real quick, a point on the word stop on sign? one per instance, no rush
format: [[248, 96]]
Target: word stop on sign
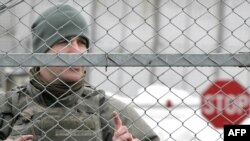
[[228, 104]]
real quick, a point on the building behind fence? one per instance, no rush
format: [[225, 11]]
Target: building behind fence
[[175, 27]]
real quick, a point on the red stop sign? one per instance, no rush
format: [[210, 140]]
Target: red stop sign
[[225, 102]]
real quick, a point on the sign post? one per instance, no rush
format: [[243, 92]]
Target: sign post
[[225, 102]]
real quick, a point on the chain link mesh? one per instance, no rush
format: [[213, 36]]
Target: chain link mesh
[[166, 93]]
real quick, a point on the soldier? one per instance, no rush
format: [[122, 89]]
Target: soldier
[[56, 104]]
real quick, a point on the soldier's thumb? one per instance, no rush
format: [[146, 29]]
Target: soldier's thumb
[[24, 138]]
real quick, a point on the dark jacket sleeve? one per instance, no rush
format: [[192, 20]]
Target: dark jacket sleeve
[[137, 126], [7, 118]]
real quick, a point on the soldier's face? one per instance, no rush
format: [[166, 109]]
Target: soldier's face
[[66, 74]]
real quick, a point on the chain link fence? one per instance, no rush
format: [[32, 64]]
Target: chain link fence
[[163, 57]]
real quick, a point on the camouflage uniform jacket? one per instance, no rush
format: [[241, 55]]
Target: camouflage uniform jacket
[[87, 116]]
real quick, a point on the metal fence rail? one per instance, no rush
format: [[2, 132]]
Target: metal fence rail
[[125, 60]]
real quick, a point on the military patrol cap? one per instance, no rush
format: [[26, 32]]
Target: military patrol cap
[[58, 22]]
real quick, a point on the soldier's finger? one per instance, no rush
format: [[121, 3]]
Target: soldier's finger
[[126, 137], [25, 138], [117, 119], [122, 130], [135, 139]]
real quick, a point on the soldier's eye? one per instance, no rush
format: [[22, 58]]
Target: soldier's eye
[[83, 41], [63, 42]]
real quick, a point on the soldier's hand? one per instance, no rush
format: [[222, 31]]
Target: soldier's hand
[[121, 132], [22, 138]]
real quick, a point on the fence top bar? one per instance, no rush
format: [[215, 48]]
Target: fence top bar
[[124, 60]]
